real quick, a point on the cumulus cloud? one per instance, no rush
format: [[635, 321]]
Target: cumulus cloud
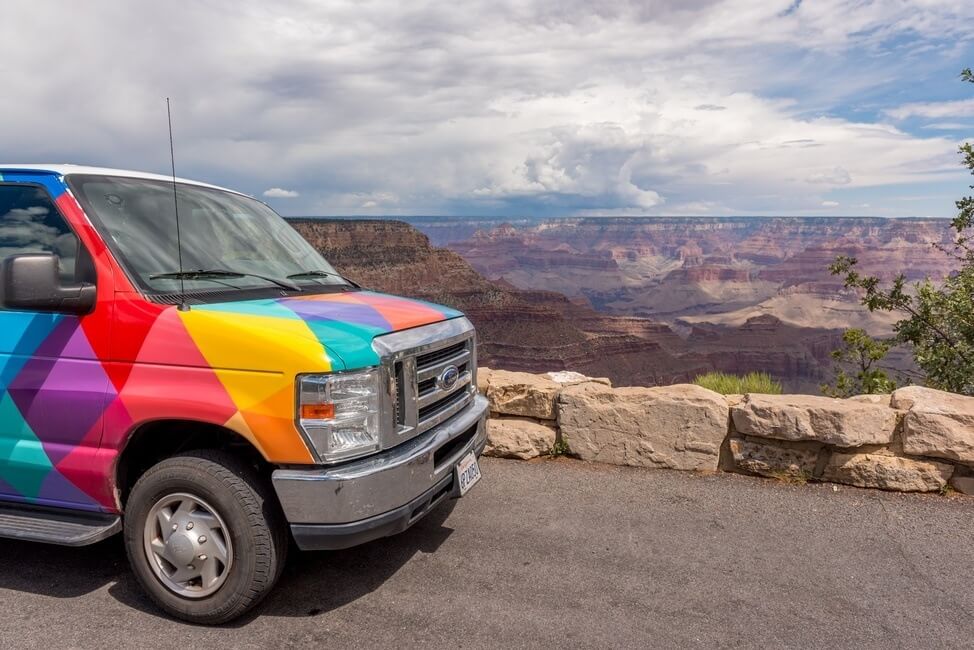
[[537, 107], [279, 193]]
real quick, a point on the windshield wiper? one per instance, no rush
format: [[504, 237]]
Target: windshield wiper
[[206, 274], [321, 274]]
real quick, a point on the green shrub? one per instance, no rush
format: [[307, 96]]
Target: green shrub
[[560, 448], [858, 372], [726, 384]]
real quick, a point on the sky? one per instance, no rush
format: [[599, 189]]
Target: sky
[[568, 107]]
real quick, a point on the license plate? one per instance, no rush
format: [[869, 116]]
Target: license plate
[[468, 472]]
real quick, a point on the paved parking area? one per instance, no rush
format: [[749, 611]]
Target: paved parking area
[[568, 554]]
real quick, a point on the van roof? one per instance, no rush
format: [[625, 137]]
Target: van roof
[[64, 169]]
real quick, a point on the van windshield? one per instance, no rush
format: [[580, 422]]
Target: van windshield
[[234, 238]]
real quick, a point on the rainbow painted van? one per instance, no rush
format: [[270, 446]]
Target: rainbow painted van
[[178, 364]]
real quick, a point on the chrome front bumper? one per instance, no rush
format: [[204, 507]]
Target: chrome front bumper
[[338, 507]]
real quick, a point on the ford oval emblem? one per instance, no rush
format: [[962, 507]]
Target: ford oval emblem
[[448, 378]]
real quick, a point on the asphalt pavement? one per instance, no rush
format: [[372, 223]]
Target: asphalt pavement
[[567, 554]]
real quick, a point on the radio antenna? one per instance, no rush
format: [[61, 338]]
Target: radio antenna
[[175, 204]]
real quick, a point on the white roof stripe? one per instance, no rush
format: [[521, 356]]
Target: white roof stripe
[[63, 169]]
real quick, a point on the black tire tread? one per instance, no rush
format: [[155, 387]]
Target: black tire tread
[[263, 519]]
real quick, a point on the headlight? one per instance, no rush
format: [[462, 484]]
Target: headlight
[[340, 413]]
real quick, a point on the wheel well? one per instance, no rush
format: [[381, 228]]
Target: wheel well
[[156, 441]]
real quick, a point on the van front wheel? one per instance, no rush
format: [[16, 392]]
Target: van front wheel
[[204, 536]]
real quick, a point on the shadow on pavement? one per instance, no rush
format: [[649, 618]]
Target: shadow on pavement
[[312, 583], [60, 571], [315, 583]]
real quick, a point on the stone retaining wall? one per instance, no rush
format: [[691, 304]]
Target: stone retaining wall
[[915, 440]]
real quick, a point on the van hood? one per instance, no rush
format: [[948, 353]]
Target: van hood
[[342, 324]]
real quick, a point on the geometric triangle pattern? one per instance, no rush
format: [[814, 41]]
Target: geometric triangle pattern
[[52, 391], [73, 390]]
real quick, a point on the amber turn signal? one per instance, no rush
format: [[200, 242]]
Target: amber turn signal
[[317, 411]]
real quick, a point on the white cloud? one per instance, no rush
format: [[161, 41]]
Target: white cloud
[[279, 193], [538, 106], [830, 204], [958, 108], [949, 126], [834, 176]]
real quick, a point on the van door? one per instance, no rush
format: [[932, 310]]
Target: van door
[[52, 386]]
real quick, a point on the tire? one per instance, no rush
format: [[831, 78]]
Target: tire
[[246, 528]]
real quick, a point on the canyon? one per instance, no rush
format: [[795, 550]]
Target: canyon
[[718, 282], [714, 270], [649, 301]]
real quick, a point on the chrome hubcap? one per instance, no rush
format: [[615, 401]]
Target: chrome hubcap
[[188, 545]]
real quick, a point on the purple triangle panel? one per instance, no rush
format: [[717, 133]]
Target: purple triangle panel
[[59, 338], [78, 346], [61, 400], [345, 312], [57, 488]]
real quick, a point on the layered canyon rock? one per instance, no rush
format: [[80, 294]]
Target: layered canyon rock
[[936, 423], [843, 423], [675, 427], [799, 357], [619, 259], [713, 277]]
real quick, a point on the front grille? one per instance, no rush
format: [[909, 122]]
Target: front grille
[[427, 387], [419, 362], [436, 403], [432, 358], [431, 411]]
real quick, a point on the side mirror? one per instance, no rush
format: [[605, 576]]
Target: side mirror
[[31, 283]]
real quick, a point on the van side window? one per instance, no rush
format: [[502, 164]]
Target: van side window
[[29, 223]]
